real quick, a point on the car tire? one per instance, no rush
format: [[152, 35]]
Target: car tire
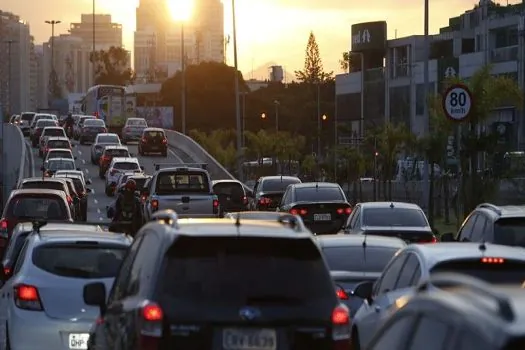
[[108, 191]]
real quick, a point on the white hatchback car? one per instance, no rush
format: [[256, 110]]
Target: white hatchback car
[[119, 165], [59, 153]]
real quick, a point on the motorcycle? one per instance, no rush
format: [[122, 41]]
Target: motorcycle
[[69, 131]]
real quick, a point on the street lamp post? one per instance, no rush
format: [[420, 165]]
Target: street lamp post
[[53, 22], [93, 43], [426, 118], [244, 93], [183, 78], [318, 119], [9, 75], [277, 104], [237, 102]]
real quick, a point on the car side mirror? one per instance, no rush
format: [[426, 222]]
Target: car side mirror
[[88, 182], [78, 169], [75, 158], [89, 190], [363, 290], [448, 237], [132, 155], [95, 295], [142, 168]]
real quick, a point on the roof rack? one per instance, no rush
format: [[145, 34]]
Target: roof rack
[[490, 206], [168, 217], [443, 280], [158, 166], [294, 221]]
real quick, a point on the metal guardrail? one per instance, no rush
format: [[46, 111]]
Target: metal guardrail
[[15, 157]]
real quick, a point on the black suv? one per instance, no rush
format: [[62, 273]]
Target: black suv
[[493, 224], [153, 140], [220, 284], [464, 314]]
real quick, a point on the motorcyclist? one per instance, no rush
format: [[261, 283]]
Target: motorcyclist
[[68, 124], [126, 210]]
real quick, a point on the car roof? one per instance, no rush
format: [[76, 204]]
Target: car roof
[[106, 134], [501, 211], [60, 149], [125, 159], [61, 159], [214, 182], [96, 119], [153, 129], [53, 127], [315, 184], [28, 226], [402, 205], [41, 179], [450, 251], [136, 119], [227, 228], [67, 176], [116, 147], [330, 241], [43, 114], [73, 172], [57, 138], [278, 177], [30, 191], [87, 236]]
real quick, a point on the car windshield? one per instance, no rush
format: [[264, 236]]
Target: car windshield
[[318, 194], [77, 182], [60, 165], [154, 134], [357, 258], [277, 185], [60, 154], [510, 231], [394, 217], [79, 260], [254, 271], [176, 182], [94, 122], [53, 132], [126, 166], [45, 122], [34, 206], [233, 189], [140, 181], [50, 185], [28, 116], [503, 272], [136, 122], [108, 139], [117, 152], [58, 144], [83, 120]]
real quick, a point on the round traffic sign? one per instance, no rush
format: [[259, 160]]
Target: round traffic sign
[[457, 102]]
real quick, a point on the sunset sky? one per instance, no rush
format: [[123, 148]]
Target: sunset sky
[[268, 30]]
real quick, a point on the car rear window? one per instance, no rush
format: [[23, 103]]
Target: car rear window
[[510, 231], [51, 185], [394, 217], [277, 185], [13, 249], [136, 122], [54, 132], [94, 122], [28, 116], [60, 165], [58, 144], [83, 120], [356, 258], [126, 166], [233, 189], [59, 154], [176, 182], [200, 273], [45, 122], [140, 182], [79, 260], [108, 139], [117, 152], [34, 206], [313, 194], [504, 272], [154, 134]]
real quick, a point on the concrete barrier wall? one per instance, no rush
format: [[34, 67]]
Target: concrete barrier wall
[[14, 156]]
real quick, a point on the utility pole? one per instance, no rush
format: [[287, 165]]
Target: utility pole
[[426, 117], [9, 76], [237, 102], [52, 75], [183, 78], [318, 119], [53, 22], [93, 49]]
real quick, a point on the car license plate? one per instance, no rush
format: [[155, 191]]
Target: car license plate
[[78, 341], [322, 217], [249, 339]]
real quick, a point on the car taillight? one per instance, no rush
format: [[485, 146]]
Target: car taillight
[[245, 200], [155, 204], [341, 211], [69, 199], [151, 326], [488, 260], [432, 240], [144, 140], [7, 271], [348, 211], [303, 211], [165, 141], [341, 328], [104, 130], [143, 198], [265, 201], [215, 203], [46, 150], [341, 294], [26, 297], [4, 224]]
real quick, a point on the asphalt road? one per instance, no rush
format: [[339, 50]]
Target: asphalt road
[[97, 199]]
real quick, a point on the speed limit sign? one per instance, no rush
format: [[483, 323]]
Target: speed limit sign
[[457, 102]]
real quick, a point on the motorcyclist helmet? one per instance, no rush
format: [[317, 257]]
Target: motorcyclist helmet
[[130, 185]]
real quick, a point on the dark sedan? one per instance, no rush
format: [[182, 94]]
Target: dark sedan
[[269, 190], [90, 130]]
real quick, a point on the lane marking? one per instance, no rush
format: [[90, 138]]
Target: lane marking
[[95, 200], [83, 161], [175, 156], [98, 211], [86, 170]]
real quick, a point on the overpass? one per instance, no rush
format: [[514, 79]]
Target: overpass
[[23, 161]]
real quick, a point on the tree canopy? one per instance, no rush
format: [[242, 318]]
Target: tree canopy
[[313, 71], [112, 66]]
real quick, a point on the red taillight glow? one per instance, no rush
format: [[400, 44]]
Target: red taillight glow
[[303, 211], [7, 271], [215, 203], [340, 316], [152, 313], [143, 198], [69, 199], [341, 294], [165, 141], [26, 297], [340, 210], [432, 240], [3, 224], [245, 200], [104, 130], [348, 211], [155, 204], [294, 211], [144, 140], [488, 260], [265, 201]]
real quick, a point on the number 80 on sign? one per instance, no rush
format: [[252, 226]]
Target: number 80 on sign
[[457, 102]]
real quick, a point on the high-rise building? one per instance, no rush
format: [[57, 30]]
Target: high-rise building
[[41, 78], [158, 38], [15, 42], [107, 33], [33, 77]]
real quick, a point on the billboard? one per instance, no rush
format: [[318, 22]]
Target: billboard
[[369, 36], [158, 117]]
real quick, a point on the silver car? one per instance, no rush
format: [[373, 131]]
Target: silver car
[[47, 285], [101, 141], [133, 129]]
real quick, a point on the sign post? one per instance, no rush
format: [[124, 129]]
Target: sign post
[[457, 104]]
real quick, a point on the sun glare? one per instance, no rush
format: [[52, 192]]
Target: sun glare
[[181, 10]]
